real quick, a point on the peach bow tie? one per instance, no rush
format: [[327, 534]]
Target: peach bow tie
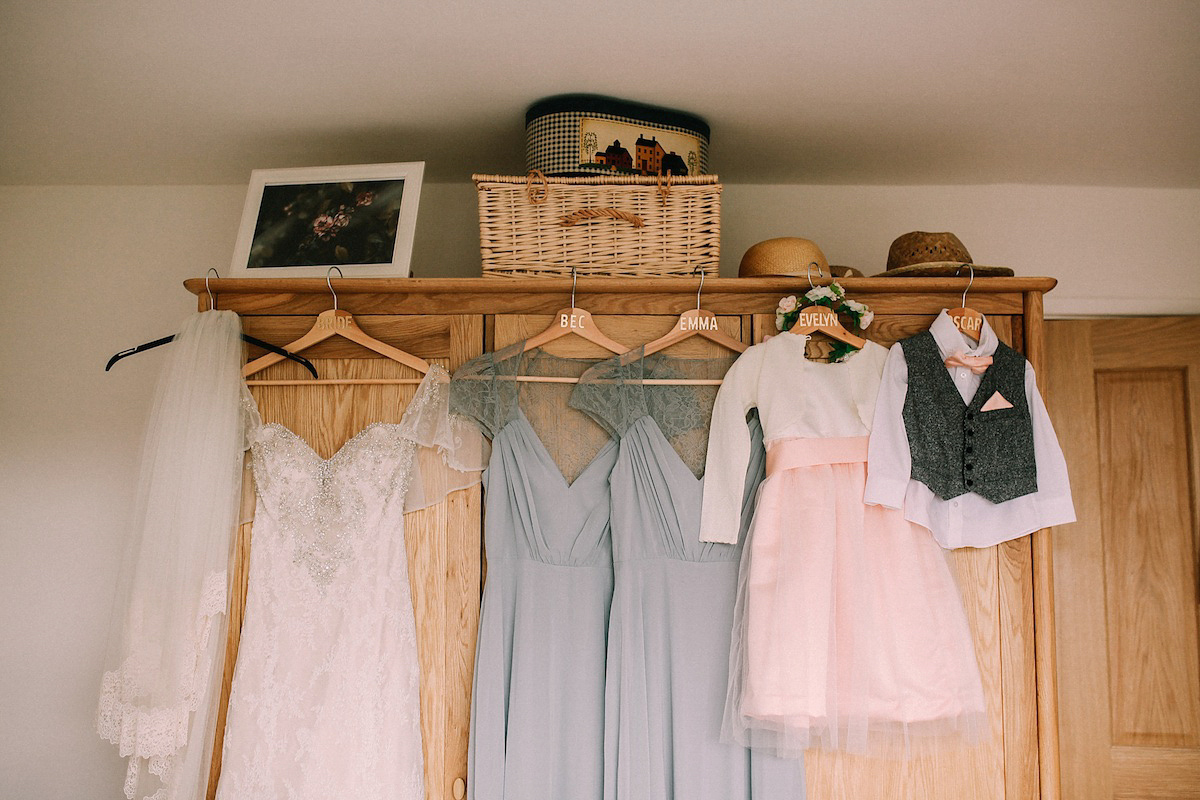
[[977, 364]]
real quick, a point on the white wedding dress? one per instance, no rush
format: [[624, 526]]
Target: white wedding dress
[[325, 697]]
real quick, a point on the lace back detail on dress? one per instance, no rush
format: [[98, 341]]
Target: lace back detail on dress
[[485, 390], [615, 393]]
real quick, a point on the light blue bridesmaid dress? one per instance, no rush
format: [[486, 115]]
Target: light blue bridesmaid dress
[[673, 604], [537, 713]]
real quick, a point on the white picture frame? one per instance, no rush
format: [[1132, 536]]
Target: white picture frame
[[300, 222]]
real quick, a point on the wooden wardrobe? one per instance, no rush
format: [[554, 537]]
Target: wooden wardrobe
[[1007, 590]]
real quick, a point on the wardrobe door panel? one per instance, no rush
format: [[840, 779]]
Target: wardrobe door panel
[[442, 540], [464, 580], [1125, 398], [886, 329]]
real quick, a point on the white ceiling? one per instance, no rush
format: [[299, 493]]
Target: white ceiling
[[1086, 92]]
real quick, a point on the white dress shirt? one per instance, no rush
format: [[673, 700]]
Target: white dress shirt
[[968, 520]]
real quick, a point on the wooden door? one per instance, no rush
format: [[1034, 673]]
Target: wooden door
[[997, 591], [1125, 399], [442, 540]]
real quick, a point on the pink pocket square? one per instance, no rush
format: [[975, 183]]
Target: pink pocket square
[[995, 403]]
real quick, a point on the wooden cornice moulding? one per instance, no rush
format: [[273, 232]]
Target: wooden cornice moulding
[[599, 295], [593, 285]]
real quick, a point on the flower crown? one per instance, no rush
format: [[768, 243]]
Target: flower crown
[[833, 297]]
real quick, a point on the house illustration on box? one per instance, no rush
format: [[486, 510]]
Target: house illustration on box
[[616, 157], [650, 158], [673, 163]]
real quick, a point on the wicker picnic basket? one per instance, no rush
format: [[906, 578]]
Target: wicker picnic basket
[[614, 226]]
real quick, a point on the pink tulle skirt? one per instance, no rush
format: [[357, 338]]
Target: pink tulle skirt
[[850, 633]]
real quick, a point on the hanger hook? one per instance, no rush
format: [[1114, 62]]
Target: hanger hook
[[700, 288], [329, 283], [971, 281], [574, 280], [820, 273], [212, 302]]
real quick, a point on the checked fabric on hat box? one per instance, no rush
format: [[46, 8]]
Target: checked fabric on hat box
[[574, 135]]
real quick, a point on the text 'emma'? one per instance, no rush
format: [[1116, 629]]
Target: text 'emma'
[[688, 323]]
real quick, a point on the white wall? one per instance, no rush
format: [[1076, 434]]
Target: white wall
[[1114, 251], [86, 271]]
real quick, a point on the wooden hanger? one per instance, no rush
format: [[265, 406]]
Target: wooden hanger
[[336, 322], [822, 319], [567, 321], [967, 320], [573, 320], [694, 322]]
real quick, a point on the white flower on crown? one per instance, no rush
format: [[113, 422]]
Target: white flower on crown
[[779, 320], [788, 303], [860, 311], [820, 292]]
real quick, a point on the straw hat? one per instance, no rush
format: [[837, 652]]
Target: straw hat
[[789, 255], [922, 254]]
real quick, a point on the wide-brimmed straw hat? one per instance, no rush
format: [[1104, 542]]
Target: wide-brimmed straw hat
[[791, 256], [922, 254]]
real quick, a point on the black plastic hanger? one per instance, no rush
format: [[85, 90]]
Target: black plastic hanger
[[141, 348]]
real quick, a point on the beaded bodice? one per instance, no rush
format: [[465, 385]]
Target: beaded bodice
[[323, 509]]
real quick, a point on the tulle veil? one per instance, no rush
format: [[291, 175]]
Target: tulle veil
[[162, 670]]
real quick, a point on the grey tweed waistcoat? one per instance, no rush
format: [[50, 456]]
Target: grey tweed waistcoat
[[957, 448]]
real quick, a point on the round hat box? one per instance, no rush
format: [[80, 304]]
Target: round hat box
[[575, 135]]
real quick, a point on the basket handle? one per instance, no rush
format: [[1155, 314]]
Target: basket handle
[[537, 188], [567, 220]]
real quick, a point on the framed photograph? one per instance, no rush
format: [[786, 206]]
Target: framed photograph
[[301, 222]]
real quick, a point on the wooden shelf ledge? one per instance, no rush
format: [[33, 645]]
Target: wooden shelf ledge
[[599, 295], [593, 285]]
